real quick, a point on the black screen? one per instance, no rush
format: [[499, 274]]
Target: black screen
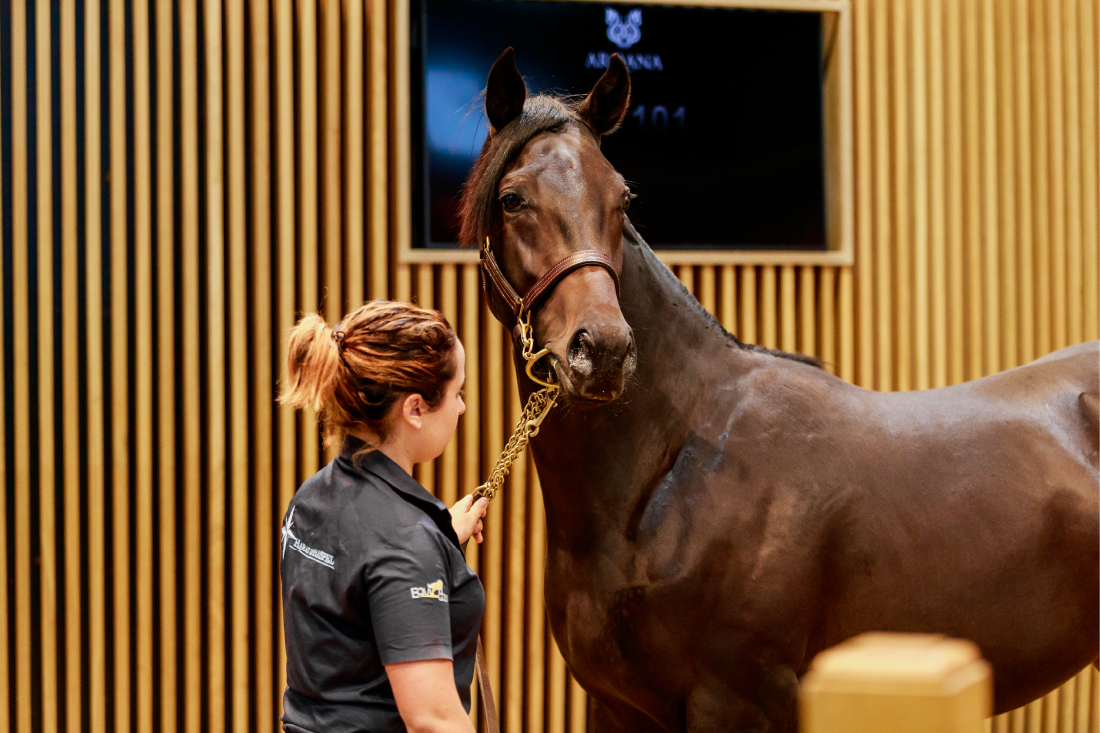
[[722, 142]]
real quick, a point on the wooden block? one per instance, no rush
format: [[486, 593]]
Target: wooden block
[[897, 683]]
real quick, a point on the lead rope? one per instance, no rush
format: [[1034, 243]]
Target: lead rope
[[539, 405]]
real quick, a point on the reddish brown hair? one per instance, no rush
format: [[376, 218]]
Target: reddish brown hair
[[354, 373]]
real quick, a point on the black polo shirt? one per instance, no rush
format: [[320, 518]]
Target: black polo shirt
[[372, 575]]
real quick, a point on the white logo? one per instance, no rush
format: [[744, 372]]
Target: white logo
[[433, 590], [305, 550], [623, 33]]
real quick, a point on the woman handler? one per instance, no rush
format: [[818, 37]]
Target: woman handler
[[381, 612]]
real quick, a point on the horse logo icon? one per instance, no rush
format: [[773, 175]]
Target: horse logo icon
[[623, 33]]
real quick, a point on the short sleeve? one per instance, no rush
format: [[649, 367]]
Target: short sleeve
[[408, 586]]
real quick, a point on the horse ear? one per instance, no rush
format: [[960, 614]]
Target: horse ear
[[505, 93], [606, 104]]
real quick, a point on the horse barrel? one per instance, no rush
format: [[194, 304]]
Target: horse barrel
[[897, 683]]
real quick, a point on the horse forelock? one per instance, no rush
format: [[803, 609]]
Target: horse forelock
[[541, 113]]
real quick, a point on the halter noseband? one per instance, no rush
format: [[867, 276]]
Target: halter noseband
[[491, 272]]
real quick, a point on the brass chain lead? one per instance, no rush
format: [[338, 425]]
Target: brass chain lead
[[538, 406]]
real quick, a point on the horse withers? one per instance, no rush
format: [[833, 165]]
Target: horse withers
[[718, 513]]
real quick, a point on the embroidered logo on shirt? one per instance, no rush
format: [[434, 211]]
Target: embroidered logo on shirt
[[317, 556], [433, 590]]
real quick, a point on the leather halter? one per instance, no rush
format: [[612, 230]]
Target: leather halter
[[491, 272]]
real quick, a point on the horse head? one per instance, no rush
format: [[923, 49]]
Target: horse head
[[541, 193]]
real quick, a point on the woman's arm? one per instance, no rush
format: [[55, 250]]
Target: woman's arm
[[427, 698]]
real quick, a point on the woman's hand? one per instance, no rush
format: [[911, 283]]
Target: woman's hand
[[466, 517]]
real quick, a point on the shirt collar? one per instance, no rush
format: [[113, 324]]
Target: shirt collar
[[379, 464]]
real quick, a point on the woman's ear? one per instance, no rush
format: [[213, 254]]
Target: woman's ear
[[505, 92], [412, 409], [606, 105]]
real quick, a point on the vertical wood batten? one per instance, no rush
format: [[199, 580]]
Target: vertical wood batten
[[578, 707], [192, 395], [903, 221], [1006, 178], [846, 327], [5, 658], [708, 295], [826, 312], [1041, 191], [425, 297], [991, 290], [1024, 224], [166, 360], [555, 687], [143, 365], [957, 339], [515, 504], [377, 116], [1057, 171], [1075, 290], [264, 519], [883, 230], [238, 353], [534, 695], [355, 203], [93, 278], [120, 378], [308, 204], [448, 462], [864, 231], [769, 307], [788, 336], [937, 234], [807, 311], [921, 368], [471, 422], [1090, 137], [972, 187], [331, 153], [747, 330], [44, 311], [284, 135], [728, 316], [492, 550], [21, 368], [216, 433]]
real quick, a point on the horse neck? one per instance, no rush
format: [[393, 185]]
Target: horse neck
[[594, 464]]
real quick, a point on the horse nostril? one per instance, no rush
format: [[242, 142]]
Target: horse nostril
[[630, 362], [580, 353]]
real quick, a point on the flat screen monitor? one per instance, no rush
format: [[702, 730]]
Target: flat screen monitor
[[723, 141]]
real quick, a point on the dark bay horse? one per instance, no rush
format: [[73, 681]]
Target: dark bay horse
[[717, 514]]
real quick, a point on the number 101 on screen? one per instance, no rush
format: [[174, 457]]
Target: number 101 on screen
[[657, 118]]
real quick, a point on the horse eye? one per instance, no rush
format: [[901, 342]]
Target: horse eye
[[626, 201], [511, 202]]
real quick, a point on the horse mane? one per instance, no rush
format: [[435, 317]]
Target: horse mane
[[543, 113]]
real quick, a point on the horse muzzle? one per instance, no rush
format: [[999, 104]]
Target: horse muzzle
[[597, 363]]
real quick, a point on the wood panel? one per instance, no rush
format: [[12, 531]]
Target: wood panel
[[188, 178]]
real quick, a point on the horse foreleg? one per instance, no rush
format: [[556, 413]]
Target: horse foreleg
[[617, 717], [714, 706]]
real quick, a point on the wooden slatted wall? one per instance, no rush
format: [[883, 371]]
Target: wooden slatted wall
[[181, 179]]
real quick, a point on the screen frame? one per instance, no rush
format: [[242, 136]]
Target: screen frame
[[837, 118]]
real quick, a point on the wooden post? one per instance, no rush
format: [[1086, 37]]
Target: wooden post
[[897, 683]]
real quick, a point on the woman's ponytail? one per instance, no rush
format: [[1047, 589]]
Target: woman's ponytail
[[313, 365], [353, 375]]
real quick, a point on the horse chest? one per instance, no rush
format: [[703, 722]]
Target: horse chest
[[606, 628]]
